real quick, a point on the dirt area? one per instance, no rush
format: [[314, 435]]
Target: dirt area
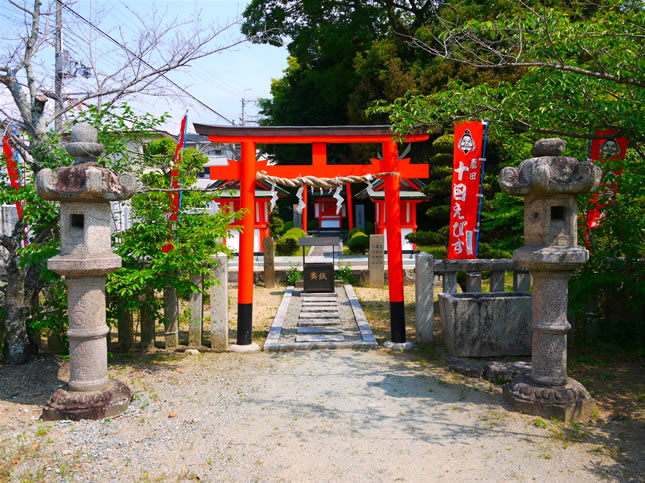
[[337, 415]]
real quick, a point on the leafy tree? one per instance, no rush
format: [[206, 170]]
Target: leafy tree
[[195, 236], [137, 68], [583, 71]]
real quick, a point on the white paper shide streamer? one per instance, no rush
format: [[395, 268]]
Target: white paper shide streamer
[[301, 203], [274, 197], [339, 199]]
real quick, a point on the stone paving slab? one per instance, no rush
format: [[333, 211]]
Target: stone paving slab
[[320, 338], [318, 294], [326, 308], [314, 322], [316, 329], [322, 315], [347, 321]]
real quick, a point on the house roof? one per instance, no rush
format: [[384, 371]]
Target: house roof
[[231, 189]]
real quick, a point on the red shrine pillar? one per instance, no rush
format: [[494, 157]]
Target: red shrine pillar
[[394, 248], [245, 282]]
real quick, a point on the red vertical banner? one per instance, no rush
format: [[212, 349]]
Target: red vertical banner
[[466, 179], [12, 170], [174, 197], [603, 151]]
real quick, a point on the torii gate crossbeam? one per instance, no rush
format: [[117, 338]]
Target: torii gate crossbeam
[[318, 137]]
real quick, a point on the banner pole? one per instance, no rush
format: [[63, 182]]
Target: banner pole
[[481, 186]]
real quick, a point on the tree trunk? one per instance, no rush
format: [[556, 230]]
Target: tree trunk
[[17, 347]]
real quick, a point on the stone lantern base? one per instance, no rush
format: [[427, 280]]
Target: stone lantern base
[[571, 402], [77, 405]]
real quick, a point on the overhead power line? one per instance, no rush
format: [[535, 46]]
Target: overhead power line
[[108, 36]]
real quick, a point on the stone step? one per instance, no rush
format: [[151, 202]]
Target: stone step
[[315, 322], [318, 294], [320, 338], [325, 308], [319, 330], [319, 299], [312, 315], [319, 302]]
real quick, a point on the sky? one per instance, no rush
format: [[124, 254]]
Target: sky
[[220, 81]]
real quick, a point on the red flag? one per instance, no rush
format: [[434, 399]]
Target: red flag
[[602, 151], [469, 141], [175, 196], [12, 170]]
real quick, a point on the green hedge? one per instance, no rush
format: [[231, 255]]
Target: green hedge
[[359, 243]]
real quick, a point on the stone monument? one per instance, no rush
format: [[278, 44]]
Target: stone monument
[[549, 182], [85, 190], [376, 261]]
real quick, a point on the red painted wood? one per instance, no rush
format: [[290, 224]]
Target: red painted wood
[[392, 207], [405, 170], [315, 139], [247, 200]]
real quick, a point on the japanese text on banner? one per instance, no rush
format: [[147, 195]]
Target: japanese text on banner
[[464, 207]]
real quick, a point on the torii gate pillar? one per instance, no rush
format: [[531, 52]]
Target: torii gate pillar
[[245, 280], [394, 248]]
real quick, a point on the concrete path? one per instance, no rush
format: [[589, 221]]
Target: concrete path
[[320, 321]]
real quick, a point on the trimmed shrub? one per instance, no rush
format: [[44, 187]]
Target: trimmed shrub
[[353, 231], [437, 251], [294, 233], [286, 246], [359, 243], [369, 228], [288, 225]]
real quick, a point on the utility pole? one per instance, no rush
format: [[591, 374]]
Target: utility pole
[[244, 102], [59, 67]]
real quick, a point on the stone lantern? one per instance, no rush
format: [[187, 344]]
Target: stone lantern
[[85, 191], [549, 182]]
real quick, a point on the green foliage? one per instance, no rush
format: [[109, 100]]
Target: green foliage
[[286, 246], [312, 224], [294, 274], [606, 295], [353, 231], [288, 225], [437, 251], [276, 224], [345, 274], [194, 235], [369, 228], [295, 233], [359, 243]]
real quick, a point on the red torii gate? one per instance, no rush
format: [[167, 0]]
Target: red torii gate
[[318, 137]]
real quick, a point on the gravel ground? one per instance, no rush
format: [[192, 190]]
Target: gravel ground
[[337, 415]]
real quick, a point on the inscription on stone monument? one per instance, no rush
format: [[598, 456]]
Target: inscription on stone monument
[[376, 261]]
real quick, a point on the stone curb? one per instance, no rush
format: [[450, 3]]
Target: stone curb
[[273, 338]]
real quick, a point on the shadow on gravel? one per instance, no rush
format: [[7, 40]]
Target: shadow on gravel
[[33, 382], [404, 397]]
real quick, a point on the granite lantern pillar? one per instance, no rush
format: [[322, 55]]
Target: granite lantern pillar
[[549, 182], [85, 190]]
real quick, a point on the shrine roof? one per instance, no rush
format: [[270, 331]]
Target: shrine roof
[[409, 194], [304, 134]]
